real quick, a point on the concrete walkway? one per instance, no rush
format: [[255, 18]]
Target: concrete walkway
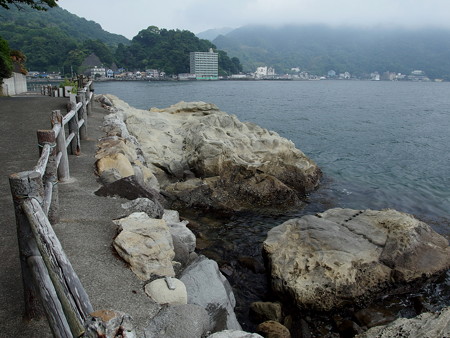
[[85, 230]]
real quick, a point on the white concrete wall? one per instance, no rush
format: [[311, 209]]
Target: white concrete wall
[[17, 84]]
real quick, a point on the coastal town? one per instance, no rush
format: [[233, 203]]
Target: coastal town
[[204, 66], [281, 174]]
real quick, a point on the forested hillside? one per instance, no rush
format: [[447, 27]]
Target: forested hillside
[[58, 41], [54, 38], [318, 49], [169, 50]]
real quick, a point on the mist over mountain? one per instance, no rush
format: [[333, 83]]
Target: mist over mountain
[[319, 48], [213, 33]]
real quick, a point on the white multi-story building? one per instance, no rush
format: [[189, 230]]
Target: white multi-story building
[[205, 65], [98, 72], [265, 71]]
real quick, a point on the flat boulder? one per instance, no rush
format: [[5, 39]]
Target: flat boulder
[[160, 291], [146, 244], [117, 161], [345, 256]]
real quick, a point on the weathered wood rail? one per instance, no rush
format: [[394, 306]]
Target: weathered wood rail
[[47, 275]]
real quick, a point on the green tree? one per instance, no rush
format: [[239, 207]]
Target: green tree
[[73, 61], [19, 58], [168, 50], [41, 5], [6, 65], [100, 49]]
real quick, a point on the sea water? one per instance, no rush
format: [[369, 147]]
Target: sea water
[[379, 145]]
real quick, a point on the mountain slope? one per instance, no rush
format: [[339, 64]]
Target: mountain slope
[[318, 49], [213, 33], [58, 19], [50, 38]]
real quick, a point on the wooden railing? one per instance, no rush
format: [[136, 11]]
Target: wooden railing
[[47, 274]]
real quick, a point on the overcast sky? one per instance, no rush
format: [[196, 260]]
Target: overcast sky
[[129, 17]]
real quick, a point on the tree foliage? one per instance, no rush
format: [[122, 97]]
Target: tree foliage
[[50, 39], [6, 66], [168, 50], [58, 41], [18, 58], [41, 5]]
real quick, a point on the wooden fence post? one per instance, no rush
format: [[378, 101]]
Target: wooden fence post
[[63, 168], [88, 95], [49, 298], [82, 114], [73, 297], [27, 184], [50, 179], [73, 129]]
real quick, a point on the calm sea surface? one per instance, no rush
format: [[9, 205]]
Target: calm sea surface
[[379, 144]]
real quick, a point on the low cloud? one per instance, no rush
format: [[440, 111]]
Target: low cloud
[[199, 15]]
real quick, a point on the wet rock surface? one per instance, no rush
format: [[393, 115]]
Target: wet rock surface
[[343, 256], [273, 329], [428, 325]]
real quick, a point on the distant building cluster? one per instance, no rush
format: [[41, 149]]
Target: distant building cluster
[[204, 66], [268, 73], [264, 72]]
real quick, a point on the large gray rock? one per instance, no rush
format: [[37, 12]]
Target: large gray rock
[[108, 146], [426, 325], [124, 156], [113, 125], [237, 189], [184, 240], [183, 233], [207, 287], [175, 321], [238, 166], [152, 209], [146, 244], [345, 256]]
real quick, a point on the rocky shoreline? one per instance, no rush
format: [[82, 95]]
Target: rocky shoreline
[[192, 155]]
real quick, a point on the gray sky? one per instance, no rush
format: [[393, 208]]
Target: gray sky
[[129, 17]]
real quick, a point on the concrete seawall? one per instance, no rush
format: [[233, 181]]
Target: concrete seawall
[[15, 85]]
